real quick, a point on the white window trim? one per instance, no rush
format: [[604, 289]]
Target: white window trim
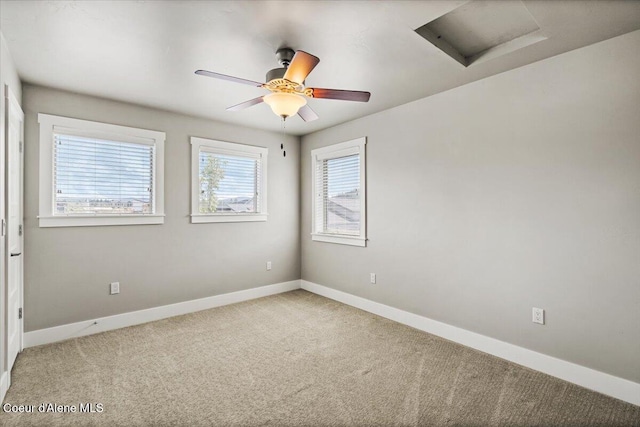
[[46, 217], [232, 148], [355, 146]]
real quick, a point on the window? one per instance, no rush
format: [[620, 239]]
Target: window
[[228, 181], [339, 193], [94, 173]]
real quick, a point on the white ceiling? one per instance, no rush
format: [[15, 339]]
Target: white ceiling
[[146, 52]]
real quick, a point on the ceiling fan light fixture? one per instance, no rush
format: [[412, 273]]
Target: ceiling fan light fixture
[[285, 104]]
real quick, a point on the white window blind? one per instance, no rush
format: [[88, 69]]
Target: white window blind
[[338, 181], [97, 176], [229, 183]]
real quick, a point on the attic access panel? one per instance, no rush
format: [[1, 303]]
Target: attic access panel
[[482, 30]]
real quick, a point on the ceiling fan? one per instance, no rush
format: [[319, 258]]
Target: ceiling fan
[[288, 93]]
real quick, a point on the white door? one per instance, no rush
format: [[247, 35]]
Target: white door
[[15, 122]]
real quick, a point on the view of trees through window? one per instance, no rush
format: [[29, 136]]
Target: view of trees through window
[[211, 173], [228, 184]]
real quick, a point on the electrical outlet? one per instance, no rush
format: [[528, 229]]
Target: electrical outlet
[[115, 288], [538, 315], [268, 265], [373, 278]]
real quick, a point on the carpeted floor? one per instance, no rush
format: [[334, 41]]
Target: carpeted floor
[[292, 359]]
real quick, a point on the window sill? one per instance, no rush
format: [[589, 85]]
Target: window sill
[[101, 220], [341, 240], [204, 218]]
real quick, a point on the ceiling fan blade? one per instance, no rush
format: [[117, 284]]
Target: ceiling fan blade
[[307, 114], [344, 95], [300, 67], [246, 104], [229, 78]]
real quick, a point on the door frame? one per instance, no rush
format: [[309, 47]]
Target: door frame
[[12, 108]]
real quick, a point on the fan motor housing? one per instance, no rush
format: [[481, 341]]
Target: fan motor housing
[[276, 73]]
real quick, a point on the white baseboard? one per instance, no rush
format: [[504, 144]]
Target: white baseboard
[[4, 385], [586, 377], [94, 326]]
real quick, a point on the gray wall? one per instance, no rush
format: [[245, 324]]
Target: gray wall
[[68, 270], [516, 191], [9, 77]]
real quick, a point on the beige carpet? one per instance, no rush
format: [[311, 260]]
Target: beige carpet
[[293, 359]]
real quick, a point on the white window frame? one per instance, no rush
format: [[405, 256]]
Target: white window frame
[[49, 124], [230, 148], [348, 148]]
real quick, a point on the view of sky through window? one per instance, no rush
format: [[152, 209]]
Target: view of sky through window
[[343, 175], [99, 176]]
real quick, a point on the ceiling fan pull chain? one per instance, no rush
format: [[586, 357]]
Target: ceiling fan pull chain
[[283, 126]]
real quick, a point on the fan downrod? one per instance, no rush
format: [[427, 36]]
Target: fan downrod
[[284, 56]]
